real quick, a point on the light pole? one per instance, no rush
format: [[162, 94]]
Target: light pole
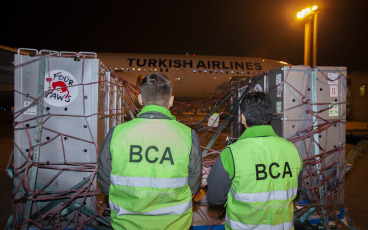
[[309, 15]]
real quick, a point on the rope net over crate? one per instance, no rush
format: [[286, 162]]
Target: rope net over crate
[[56, 143], [54, 163]]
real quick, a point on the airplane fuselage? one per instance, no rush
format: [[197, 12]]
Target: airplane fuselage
[[192, 76]]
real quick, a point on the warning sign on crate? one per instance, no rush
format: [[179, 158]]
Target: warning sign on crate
[[333, 78], [279, 86], [60, 89], [278, 106], [31, 110], [334, 110], [334, 90]]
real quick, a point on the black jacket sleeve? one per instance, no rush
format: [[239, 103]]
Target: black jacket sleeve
[[219, 183], [195, 164], [104, 164]]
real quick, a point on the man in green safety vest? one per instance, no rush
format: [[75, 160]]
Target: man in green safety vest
[[257, 176], [151, 166]]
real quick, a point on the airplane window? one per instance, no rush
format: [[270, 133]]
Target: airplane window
[[237, 72], [243, 72], [210, 70], [222, 71], [139, 69], [155, 70], [205, 71], [199, 71], [167, 70], [133, 69], [216, 71], [194, 71], [127, 69], [161, 70], [232, 71], [362, 90], [227, 71], [116, 68], [248, 72], [253, 72]]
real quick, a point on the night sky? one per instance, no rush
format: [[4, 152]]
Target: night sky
[[257, 28]]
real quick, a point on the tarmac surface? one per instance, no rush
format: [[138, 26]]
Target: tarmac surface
[[356, 189], [6, 148]]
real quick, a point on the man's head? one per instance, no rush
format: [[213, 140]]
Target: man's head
[[156, 90], [256, 109]]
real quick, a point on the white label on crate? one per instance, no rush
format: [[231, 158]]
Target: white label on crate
[[334, 110], [278, 106], [60, 88], [334, 78], [31, 110], [334, 91], [258, 88], [279, 86]]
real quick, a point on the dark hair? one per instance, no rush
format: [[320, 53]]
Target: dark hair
[[156, 90], [256, 108]]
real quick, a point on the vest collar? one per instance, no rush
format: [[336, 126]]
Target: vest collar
[[156, 108], [258, 131]]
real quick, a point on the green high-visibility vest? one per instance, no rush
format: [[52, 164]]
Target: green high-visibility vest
[[149, 178], [264, 185]]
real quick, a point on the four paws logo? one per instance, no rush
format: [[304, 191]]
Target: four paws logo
[[60, 88]]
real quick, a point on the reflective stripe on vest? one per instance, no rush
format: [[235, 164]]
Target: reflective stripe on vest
[[264, 196], [171, 210], [149, 181], [238, 225]]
